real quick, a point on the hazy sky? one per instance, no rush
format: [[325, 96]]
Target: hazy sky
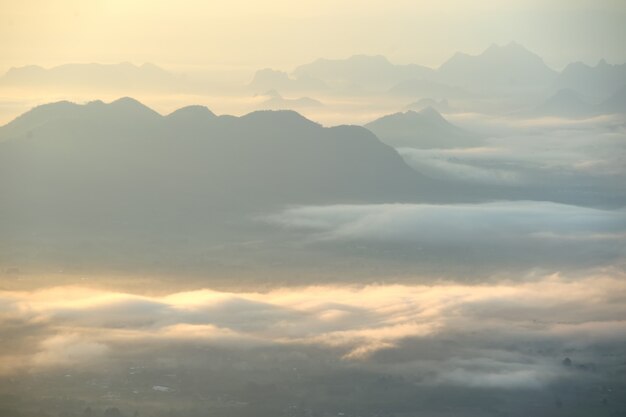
[[284, 33]]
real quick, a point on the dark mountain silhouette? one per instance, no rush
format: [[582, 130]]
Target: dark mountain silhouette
[[498, 70], [565, 103], [191, 117], [361, 72], [123, 76], [122, 165], [277, 102], [425, 129], [598, 82], [117, 184], [125, 112]]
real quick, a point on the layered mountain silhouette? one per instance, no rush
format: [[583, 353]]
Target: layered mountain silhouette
[[442, 106], [361, 72], [425, 129], [275, 101], [122, 165], [568, 103], [615, 104], [124, 76], [498, 70], [565, 103], [429, 88], [595, 82], [273, 80]]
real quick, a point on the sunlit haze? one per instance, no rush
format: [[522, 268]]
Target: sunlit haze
[[322, 208]]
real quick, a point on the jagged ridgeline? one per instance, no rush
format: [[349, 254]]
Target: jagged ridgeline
[[124, 165]]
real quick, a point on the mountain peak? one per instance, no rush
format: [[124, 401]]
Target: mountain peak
[[131, 105], [425, 129], [495, 53], [124, 107], [511, 49], [278, 118], [127, 101], [25, 68], [273, 94], [193, 112], [564, 103], [576, 66], [498, 70], [150, 65], [431, 113], [55, 108], [616, 103], [514, 46], [42, 114]]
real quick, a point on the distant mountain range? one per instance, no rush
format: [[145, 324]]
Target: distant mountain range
[[498, 70], [616, 103], [425, 129], [272, 80], [428, 88], [121, 77], [275, 101], [361, 72], [593, 82], [564, 103], [568, 103], [442, 106]]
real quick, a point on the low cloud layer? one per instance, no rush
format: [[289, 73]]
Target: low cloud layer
[[534, 233], [449, 332], [579, 160]]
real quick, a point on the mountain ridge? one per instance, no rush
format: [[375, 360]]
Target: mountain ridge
[[424, 129], [148, 172]]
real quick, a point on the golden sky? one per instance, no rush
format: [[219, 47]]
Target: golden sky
[[285, 33]]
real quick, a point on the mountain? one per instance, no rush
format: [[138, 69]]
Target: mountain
[[425, 129], [570, 104], [427, 88], [597, 82], [442, 106], [125, 112], [565, 103], [616, 103], [191, 117], [498, 70], [124, 76], [268, 79], [121, 166], [361, 72], [277, 102]]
